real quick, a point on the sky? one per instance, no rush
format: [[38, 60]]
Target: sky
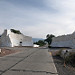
[[37, 18]]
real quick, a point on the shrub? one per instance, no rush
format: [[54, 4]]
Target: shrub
[[70, 59], [40, 42], [15, 31], [59, 52]]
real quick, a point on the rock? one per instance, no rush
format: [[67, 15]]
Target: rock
[[65, 53]]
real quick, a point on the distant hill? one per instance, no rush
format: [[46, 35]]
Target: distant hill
[[36, 39]]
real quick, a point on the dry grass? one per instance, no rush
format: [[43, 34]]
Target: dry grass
[[7, 52]]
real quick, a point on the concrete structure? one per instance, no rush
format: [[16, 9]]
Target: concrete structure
[[64, 41], [35, 45], [29, 61], [11, 39]]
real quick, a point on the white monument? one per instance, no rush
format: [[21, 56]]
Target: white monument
[[64, 41], [12, 38]]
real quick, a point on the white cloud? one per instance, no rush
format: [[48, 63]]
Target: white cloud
[[57, 18]]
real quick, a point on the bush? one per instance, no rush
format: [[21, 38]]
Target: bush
[[15, 31], [70, 59], [59, 53], [40, 42]]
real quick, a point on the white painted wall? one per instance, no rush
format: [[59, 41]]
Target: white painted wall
[[11, 39], [5, 40], [35, 45], [64, 41]]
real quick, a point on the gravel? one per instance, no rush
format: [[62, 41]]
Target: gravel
[[68, 70], [61, 69]]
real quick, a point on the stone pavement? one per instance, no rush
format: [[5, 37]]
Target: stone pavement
[[30, 61]]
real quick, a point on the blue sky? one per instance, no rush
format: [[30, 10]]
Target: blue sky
[[37, 18]]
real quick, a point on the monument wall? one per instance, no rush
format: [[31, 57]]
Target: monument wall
[[11, 39], [64, 41]]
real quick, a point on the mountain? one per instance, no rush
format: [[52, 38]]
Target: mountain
[[36, 39]]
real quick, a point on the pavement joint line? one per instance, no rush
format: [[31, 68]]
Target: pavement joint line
[[32, 71], [1, 71], [18, 62]]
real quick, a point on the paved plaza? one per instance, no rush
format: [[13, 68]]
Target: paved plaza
[[29, 61]]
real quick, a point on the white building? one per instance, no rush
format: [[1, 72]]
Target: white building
[[64, 41], [11, 39], [35, 45]]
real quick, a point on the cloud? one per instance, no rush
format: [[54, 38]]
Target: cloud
[[50, 17]]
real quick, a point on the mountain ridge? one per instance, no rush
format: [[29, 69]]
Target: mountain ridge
[[37, 39]]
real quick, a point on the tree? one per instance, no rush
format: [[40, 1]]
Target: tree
[[40, 42], [49, 38]]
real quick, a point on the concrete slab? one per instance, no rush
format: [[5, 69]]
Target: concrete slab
[[32, 62], [11, 58], [8, 61], [47, 67], [17, 73], [23, 53], [0, 72], [26, 73], [6, 64], [39, 61]]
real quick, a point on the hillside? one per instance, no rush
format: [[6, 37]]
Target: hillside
[[36, 39]]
